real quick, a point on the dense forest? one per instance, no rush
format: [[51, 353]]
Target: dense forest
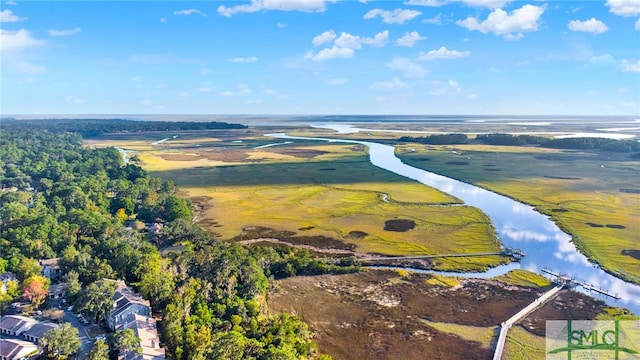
[[85, 206], [583, 143], [95, 127]]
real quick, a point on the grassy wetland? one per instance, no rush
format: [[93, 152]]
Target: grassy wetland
[[592, 196], [323, 193]]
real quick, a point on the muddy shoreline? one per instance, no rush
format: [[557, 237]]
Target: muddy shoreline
[[381, 314]]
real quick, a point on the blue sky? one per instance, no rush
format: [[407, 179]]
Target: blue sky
[[321, 57]]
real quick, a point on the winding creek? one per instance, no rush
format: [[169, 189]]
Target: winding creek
[[518, 225]]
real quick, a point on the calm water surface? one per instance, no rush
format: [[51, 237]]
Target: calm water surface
[[518, 225]]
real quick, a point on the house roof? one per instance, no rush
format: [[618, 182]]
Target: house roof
[[16, 349], [58, 288], [50, 263], [8, 276], [38, 330], [124, 297], [146, 330], [14, 323]]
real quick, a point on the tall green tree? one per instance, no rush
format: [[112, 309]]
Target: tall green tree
[[96, 299], [10, 292], [99, 351], [128, 341], [61, 342]]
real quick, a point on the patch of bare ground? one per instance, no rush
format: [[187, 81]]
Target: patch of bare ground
[[227, 155], [319, 241], [633, 253], [399, 225], [377, 314], [180, 157], [297, 152], [567, 305]]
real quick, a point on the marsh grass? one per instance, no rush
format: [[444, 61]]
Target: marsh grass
[[330, 189], [522, 345], [523, 278], [483, 335], [574, 188]]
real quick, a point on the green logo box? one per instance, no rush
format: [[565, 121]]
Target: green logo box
[[592, 339]]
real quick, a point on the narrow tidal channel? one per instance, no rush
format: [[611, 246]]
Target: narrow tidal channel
[[518, 226]]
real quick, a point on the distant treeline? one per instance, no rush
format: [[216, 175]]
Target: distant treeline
[[96, 127], [445, 139], [524, 140]]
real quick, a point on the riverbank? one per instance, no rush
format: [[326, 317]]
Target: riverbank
[[579, 197]]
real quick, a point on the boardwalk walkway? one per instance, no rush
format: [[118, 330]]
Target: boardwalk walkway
[[504, 327]]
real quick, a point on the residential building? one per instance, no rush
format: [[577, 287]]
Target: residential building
[[126, 302], [51, 268], [146, 330], [58, 291], [11, 349], [16, 325], [37, 331], [4, 279]]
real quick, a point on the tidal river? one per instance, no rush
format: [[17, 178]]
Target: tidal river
[[518, 225]]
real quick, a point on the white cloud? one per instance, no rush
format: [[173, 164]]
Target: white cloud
[[344, 46], [337, 81], [331, 53], [436, 20], [490, 4], [394, 84], [183, 95], [28, 68], [637, 25], [243, 60], [511, 26], [325, 37], [283, 5], [74, 100], [592, 25], [602, 59], [409, 39], [161, 59], [347, 40], [624, 7], [10, 2], [9, 16], [378, 40], [513, 37], [54, 32], [443, 53], [281, 25], [432, 3], [163, 19], [16, 39], [630, 66], [454, 84], [241, 90], [397, 16], [406, 67], [188, 12]]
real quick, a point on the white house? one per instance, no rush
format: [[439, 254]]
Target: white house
[[126, 302]]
